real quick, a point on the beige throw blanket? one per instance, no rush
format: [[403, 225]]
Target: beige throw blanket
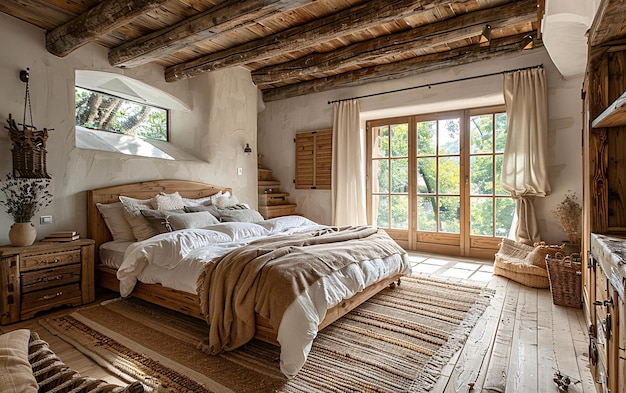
[[266, 276]]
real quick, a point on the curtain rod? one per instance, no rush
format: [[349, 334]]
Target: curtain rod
[[429, 85]]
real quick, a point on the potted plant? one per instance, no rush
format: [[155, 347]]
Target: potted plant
[[23, 198], [567, 214]]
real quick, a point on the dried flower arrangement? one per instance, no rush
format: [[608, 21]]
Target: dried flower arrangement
[[24, 197], [567, 213]]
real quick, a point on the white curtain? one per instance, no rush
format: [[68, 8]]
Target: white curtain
[[524, 172], [348, 183]]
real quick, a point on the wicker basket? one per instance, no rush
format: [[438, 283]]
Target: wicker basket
[[513, 261], [565, 275]]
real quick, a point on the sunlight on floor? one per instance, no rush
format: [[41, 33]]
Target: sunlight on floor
[[451, 268]]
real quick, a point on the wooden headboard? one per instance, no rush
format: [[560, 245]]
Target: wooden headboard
[[96, 227]]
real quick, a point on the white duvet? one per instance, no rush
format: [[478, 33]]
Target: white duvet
[[175, 259]]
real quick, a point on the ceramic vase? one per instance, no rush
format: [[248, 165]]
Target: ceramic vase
[[22, 234]]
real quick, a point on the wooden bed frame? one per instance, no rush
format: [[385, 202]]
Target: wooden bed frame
[[180, 301]]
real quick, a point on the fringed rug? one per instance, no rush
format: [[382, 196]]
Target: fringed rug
[[398, 341]]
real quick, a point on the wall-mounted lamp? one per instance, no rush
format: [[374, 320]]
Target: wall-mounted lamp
[[485, 36], [247, 150], [528, 42]]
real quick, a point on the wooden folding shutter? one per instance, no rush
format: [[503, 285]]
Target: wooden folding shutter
[[314, 159]]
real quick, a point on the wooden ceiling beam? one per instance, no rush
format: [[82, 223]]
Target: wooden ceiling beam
[[423, 39], [100, 20], [418, 65], [609, 23], [351, 20], [220, 18]]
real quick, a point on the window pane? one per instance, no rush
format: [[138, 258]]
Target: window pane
[[103, 112], [449, 136], [481, 175], [380, 145], [426, 220], [505, 209], [449, 175], [380, 210], [400, 175], [400, 211], [400, 140], [481, 134], [380, 169], [501, 127], [426, 175], [481, 216], [450, 214], [499, 189], [426, 138]]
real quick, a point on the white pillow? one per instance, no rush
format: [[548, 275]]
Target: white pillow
[[113, 215], [240, 230], [226, 201], [165, 201], [16, 374], [205, 201], [132, 211], [285, 223]]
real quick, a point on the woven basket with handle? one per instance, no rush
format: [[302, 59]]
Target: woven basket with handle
[[565, 275]]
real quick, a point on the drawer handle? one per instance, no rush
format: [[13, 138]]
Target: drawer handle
[[48, 297], [55, 260], [46, 279]]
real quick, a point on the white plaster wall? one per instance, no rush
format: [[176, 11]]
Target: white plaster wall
[[280, 120], [223, 119]]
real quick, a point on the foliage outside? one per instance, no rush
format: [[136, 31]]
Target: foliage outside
[[113, 114], [24, 197], [567, 214], [438, 180]]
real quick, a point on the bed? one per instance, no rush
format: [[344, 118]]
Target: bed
[[390, 268]]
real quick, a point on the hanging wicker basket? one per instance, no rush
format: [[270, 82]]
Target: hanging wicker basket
[[565, 275]]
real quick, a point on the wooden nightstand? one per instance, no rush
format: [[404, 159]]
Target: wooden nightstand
[[45, 275]]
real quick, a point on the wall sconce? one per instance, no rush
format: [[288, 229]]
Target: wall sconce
[[528, 42], [247, 150], [485, 36]]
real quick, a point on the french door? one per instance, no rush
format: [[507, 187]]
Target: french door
[[434, 180]]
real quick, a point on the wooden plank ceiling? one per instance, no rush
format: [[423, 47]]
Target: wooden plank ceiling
[[291, 47]]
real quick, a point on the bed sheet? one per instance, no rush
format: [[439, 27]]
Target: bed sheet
[[177, 266]]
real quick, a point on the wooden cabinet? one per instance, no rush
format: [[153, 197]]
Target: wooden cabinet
[[45, 275], [604, 190]]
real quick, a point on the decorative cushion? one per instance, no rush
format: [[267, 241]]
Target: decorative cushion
[[240, 215], [164, 201], [159, 219], [173, 220], [16, 374], [113, 215], [52, 374], [211, 209], [513, 261], [142, 229], [192, 220]]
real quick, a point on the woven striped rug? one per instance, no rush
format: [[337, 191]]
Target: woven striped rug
[[398, 341]]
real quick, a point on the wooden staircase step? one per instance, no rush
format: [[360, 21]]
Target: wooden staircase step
[[277, 210], [265, 174], [268, 183], [274, 198]]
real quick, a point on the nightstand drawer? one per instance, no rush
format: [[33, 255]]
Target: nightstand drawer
[[42, 261], [67, 295], [46, 278]]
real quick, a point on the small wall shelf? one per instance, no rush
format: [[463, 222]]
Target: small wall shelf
[[613, 116]]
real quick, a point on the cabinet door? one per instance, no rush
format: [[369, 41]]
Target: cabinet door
[[621, 336]]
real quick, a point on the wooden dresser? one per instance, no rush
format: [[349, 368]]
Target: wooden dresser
[[43, 276]]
